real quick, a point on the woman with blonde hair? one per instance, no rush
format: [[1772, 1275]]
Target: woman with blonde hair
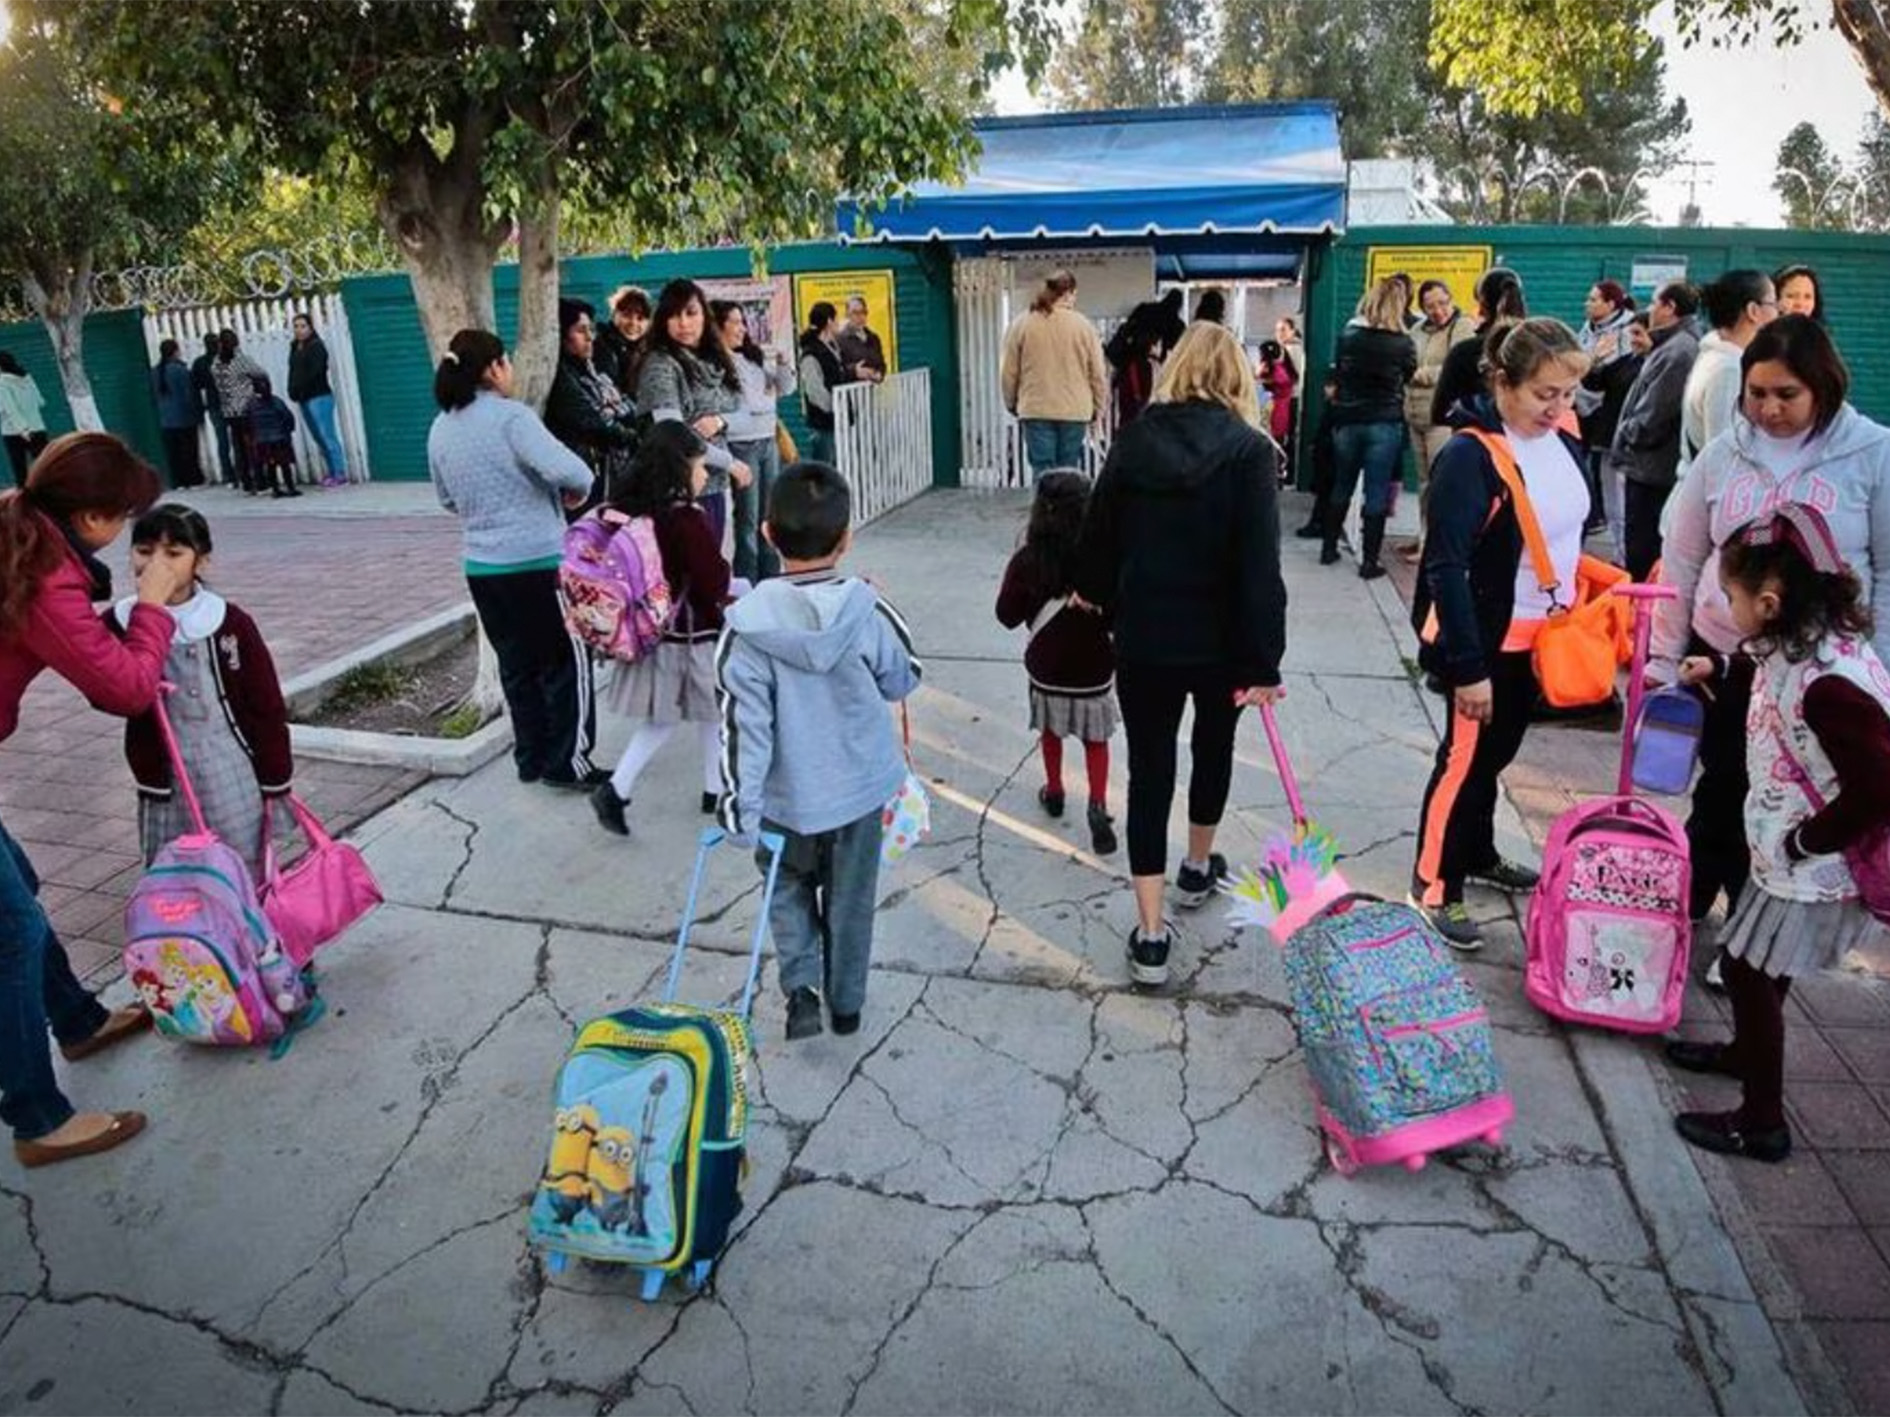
[[1375, 360], [1054, 376], [1181, 547]]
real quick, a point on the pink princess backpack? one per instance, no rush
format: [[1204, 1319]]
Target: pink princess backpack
[[1608, 933], [616, 599], [198, 948]]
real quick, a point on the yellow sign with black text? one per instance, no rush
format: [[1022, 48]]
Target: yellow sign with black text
[[1456, 266], [840, 287]]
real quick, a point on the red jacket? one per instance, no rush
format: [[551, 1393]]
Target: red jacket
[[250, 695], [693, 565], [62, 634]]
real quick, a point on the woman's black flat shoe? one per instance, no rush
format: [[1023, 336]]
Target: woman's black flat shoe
[[1702, 1057], [1723, 1132]]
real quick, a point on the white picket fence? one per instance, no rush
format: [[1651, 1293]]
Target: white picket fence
[[883, 441], [265, 328], [993, 441]]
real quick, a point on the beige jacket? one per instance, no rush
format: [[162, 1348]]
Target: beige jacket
[[1432, 346], [1052, 367]]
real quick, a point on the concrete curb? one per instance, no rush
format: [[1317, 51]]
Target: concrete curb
[[438, 757]]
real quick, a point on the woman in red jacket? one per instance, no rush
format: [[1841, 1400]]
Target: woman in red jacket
[[76, 500]]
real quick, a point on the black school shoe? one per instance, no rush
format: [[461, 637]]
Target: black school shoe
[[803, 1013], [610, 809], [843, 1024], [1725, 1133], [1051, 802], [1102, 830], [589, 782]]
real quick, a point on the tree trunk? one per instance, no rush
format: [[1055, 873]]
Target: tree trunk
[[1865, 25], [535, 353], [60, 294]]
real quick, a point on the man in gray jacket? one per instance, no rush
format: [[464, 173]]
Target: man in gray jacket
[[807, 663], [1646, 448]]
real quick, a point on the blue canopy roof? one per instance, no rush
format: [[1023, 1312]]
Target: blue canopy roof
[[1264, 167]]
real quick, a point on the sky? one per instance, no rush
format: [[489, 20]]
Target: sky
[[1742, 102]]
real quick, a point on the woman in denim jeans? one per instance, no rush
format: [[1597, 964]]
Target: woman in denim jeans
[[311, 392], [75, 502], [1375, 361], [767, 377]]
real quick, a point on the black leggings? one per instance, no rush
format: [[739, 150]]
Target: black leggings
[[1758, 1043], [1716, 828], [1152, 698]]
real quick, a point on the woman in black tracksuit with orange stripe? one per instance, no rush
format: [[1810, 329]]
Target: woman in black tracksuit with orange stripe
[[1479, 603]]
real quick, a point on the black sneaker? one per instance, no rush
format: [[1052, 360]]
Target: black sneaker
[[587, 783], [1312, 531], [1051, 802], [1148, 959], [1725, 1133], [803, 1013], [1102, 830], [709, 800], [843, 1024], [1452, 921], [1507, 876], [1370, 571], [1192, 887], [610, 808]]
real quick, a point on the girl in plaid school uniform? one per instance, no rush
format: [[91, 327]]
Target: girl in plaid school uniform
[[226, 707]]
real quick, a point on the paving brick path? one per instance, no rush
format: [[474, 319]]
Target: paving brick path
[[1824, 1216], [322, 576]]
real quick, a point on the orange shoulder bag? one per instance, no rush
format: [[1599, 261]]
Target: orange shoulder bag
[[1585, 641]]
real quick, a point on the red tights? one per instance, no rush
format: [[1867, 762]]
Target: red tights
[[1095, 762]]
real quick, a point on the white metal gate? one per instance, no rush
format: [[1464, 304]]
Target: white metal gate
[[993, 453], [883, 441], [265, 328]]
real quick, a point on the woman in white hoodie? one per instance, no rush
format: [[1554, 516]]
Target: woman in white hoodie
[[1793, 439]]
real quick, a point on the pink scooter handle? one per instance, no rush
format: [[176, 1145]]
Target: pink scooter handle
[[1641, 595]]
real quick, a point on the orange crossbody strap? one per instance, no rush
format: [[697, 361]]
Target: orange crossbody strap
[[1505, 461]]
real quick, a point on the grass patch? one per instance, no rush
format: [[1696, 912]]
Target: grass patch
[[462, 722], [367, 684]]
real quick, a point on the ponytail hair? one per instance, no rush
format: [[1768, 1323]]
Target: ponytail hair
[[1516, 349], [1726, 298], [463, 370], [1499, 295], [80, 472], [1056, 285]]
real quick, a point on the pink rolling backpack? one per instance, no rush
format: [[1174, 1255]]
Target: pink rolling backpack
[[1608, 931]]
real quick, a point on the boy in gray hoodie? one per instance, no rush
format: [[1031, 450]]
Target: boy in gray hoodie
[[806, 665]]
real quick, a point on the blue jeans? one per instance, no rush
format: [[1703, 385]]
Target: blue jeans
[[1051, 443], [320, 413], [220, 426], [822, 915], [37, 988], [1375, 449], [754, 560]]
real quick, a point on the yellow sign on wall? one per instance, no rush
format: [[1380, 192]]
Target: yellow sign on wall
[[1456, 266], [837, 287]]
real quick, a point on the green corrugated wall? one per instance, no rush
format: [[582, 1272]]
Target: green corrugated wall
[[1559, 263], [119, 368], [397, 378]]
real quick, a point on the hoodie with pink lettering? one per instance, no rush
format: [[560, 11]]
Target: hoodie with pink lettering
[[1745, 474]]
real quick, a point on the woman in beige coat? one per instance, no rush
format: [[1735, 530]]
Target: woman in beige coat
[[1053, 375], [1444, 326]]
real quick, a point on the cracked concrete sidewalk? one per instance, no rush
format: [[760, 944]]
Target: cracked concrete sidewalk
[[1021, 1187]]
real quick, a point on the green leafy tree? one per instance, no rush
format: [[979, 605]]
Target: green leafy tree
[[1131, 54], [1810, 179], [81, 187], [1524, 58], [1873, 173], [475, 123]]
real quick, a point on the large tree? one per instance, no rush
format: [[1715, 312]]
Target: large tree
[[474, 122], [1811, 180], [1130, 54], [82, 187]]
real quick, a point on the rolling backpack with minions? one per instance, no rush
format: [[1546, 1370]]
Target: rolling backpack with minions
[[649, 1140]]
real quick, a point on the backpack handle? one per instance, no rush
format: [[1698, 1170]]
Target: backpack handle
[[1287, 780], [711, 838], [179, 775]]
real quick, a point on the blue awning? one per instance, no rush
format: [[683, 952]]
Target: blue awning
[[1265, 167]]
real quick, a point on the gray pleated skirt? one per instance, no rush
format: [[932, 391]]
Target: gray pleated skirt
[[1090, 717], [674, 685], [1789, 938]]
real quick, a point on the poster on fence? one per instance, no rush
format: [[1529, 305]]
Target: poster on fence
[[840, 287], [769, 306], [1456, 266]]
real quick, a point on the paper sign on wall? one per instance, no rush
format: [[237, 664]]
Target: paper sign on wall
[[1456, 266], [837, 288]]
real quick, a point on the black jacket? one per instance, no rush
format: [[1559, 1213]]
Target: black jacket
[[1181, 544], [1460, 381], [1612, 381], [812, 345], [1473, 547], [616, 358], [1374, 366], [308, 370]]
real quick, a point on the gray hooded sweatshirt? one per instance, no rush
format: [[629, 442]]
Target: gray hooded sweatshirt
[[805, 667]]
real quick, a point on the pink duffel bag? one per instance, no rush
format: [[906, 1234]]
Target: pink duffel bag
[[320, 896]]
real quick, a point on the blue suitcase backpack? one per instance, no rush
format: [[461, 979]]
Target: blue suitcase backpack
[[649, 1139], [1397, 1042]]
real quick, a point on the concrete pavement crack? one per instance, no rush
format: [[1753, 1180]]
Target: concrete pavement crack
[[32, 1238], [472, 837], [878, 1355], [984, 878]]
